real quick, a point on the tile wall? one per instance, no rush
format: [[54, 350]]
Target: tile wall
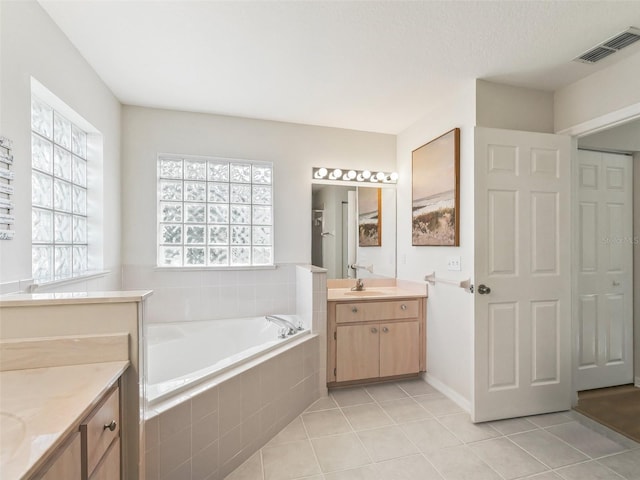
[[210, 434]]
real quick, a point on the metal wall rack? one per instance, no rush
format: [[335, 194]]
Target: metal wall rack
[[7, 218]]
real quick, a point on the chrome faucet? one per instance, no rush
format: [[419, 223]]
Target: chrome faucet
[[359, 286], [289, 328]]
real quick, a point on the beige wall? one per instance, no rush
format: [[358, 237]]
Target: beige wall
[[513, 108], [450, 311], [625, 138], [31, 45], [605, 91]]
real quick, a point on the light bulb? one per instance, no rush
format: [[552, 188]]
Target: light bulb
[[337, 173], [380, 176], [373, 179], [366, 174], [394, 176], [351, 174], [360, 178], [322, 172]]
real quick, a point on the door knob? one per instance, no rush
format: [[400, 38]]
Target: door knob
[[483, 289]]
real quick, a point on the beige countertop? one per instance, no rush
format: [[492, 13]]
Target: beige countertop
[[373, 293], [39, 407], [36, 299]]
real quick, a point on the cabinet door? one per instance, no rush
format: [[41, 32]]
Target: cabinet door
[[399, 348], [67, 465], [357, 352]]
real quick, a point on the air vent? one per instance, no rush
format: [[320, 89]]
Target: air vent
[[612, 45]]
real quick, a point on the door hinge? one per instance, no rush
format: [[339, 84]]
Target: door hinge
[[335, 335], [335, 372]]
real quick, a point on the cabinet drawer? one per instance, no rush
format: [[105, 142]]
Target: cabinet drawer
[[374, 311], [109, 468], [96, 435]]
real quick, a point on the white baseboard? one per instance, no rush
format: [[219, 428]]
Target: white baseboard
[[448, 392], [637, 382]]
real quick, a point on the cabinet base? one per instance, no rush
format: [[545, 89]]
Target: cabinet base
[[371, 381]]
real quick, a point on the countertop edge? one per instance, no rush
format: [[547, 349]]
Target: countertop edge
[[48, 299], [119, 367]]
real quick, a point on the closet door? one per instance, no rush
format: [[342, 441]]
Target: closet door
[[604, 305]]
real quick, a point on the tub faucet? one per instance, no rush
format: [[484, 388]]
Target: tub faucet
[[283, 322], [359, 286]]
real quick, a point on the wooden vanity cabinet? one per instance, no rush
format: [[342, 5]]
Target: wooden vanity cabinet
[[373, 339], [92, 450]]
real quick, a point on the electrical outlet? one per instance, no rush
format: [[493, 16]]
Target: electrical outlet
[[453, 264]]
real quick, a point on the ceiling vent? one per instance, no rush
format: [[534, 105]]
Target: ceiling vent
[[612, 45]]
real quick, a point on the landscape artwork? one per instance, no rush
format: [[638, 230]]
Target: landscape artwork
[[369, 217], [435, 191]]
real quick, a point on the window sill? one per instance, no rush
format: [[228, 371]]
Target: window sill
[[67, 281], [214, 269]]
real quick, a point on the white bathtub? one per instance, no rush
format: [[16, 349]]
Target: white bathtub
[[184, 354]]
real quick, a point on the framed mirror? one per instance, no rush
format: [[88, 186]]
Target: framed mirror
[[354, 225]]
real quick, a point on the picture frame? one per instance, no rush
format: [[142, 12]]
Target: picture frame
[[369, 217], [435, 191]]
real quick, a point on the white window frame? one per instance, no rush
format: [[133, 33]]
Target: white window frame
[[181, 207]]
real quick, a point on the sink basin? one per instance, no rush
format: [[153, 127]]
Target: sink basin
[[364, 293], [12, 433]]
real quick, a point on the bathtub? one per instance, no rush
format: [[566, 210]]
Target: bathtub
[[182, 355]]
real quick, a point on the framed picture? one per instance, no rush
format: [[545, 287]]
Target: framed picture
[[369, 217], [435, 199]]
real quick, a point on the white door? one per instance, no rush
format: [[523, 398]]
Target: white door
[[522, 358], [604, 260]]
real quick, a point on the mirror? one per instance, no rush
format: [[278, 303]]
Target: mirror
[[343, 234]]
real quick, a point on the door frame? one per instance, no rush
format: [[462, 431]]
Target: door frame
[[603, 122]]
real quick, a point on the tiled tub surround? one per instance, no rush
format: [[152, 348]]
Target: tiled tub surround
[[181, 355], [207, 433]]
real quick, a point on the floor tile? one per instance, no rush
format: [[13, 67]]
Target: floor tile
[[507, 459], [429, 435], [415, 467], [550, 419], [438, 406], [545, 476], [369, 415], [416, 387], [405, 410], [386, 443], [249, 470], [346, 397], [293, 432], [325, 422], [548, 449], [460, 463], [324, 403], [368, 472], [467, 431], [383, 392], [587, 441], [340, 452], [587, 471], [513, 425], [626, 464], [289, 460]]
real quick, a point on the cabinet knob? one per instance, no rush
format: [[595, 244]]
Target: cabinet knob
[[403, 307], [374, 330], [354, 309], [111, 426], [385, 329]]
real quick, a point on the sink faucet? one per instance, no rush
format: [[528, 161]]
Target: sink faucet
[[359, 286], [289, 327]]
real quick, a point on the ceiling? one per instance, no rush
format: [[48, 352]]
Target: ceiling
[[365, 65]]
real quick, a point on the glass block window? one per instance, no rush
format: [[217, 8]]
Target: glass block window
[[214, 212], [58, 195]]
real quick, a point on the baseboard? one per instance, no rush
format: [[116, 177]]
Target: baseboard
[[637, 382], [448, 392]]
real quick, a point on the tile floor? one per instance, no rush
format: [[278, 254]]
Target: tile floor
[[407, 430]]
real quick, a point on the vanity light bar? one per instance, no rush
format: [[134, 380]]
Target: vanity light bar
[[338, 174]]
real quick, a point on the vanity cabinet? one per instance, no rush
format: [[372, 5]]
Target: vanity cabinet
[[374, 339], [92, 450]]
